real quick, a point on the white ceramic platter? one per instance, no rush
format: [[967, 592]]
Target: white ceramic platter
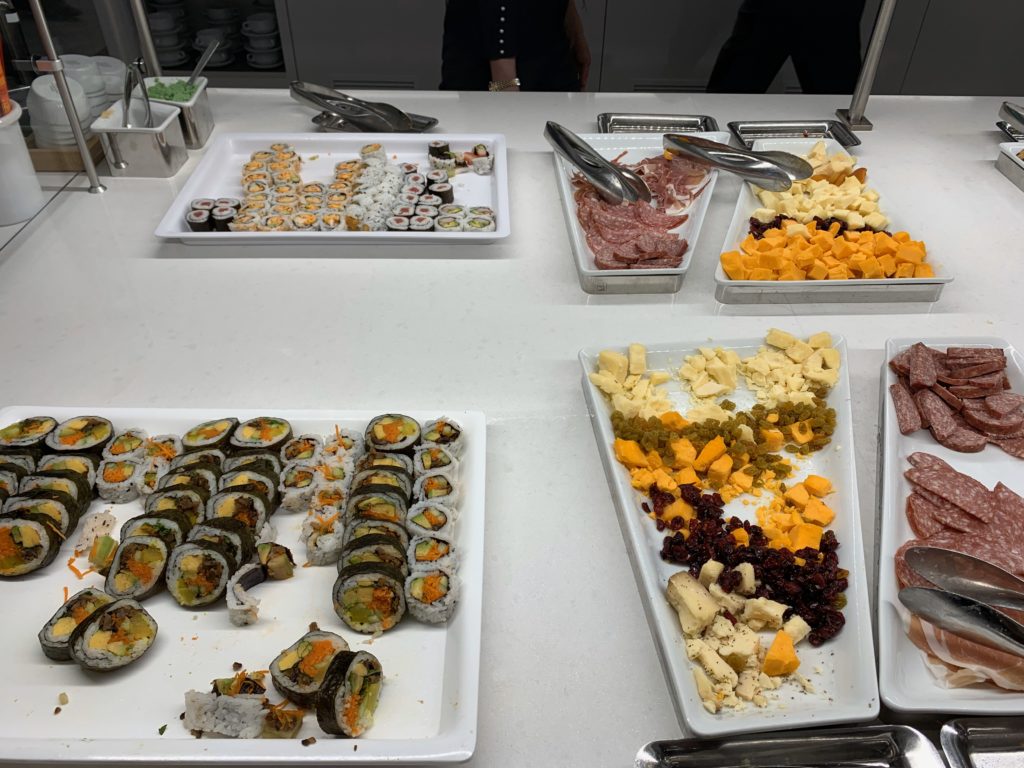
[[817, 291], [636, 147], [842, 670], [219, 174], [907, 684], [428, 708]]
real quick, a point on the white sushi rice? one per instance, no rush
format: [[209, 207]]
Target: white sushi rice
[[243, 608], [94, 525], [239, 717]]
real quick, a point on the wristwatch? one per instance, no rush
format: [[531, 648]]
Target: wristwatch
[[503, 85]]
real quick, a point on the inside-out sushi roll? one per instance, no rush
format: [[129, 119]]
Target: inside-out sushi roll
[[350, 693], [138, 568], [82, 434], [249, 479], [374, 549], [451, 209], [430, 594], [236, 716], [243, 608], [389, 507], [55, 635], [117, 480], [357, 529], [298, 671], [298, 482], [393, 432], [264, 433], [27, 434], [429, 518], [344, 442], [444, 432], [28, 542], [162, 448], [478, 224], [328, 498], [149, 478], [431, 457], [81, 464], [370, 597], [302, 448], [170, 527], [198, 573], [324, 536], [113, 637], [60, 508], [228, 532], [186, 501], [373, 152], [447, 224], [209, 434], [247, 507], [436, 486], [430, 552]]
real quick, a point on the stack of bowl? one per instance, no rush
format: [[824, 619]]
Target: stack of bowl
[[86, 72], [167, 27], [112, 70], [262, 42], [47, 117], [224, 24]]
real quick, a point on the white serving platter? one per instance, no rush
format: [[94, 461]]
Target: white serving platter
[[219, 174], [846, 690], [428, 708], [907, 684], [854, 291], [636, 146]]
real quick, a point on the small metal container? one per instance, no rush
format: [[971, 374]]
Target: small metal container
[[196, 117], [749, 131], [983, 742], [157, 152], [1011, 166], [634, 122]]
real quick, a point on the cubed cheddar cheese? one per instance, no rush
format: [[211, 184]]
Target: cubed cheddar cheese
[[805, 535], [773, 439], [741, 480], [684, 452], [797, 495], [665, 481], [781, 658], [817, 485], [678, 508], [741, 536], [673, 420], [686, 476], [654, 460], [718, 471], [709, 453], [818, 512], [630, 453]]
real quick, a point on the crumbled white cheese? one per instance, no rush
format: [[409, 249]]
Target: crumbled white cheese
[[631, 388]]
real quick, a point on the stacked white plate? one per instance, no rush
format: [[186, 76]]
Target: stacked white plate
[[170, 37], [49, 121], [262, 42], [112, 71], [86, 72]]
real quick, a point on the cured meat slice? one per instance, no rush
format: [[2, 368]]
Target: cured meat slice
[[1014, 447], [951, 400], [957, 488], [924, 460], [936, 413], [923, 373], [992, 366], [964, 440], [952, 352], [951, 380], [905, 575], [948, 514], [650, 215], [919, 515], [1004, 669], [1004, 403], [900, 364], [970, 391], [907, 415], [1009, 519], [988, 380], [979, 418]]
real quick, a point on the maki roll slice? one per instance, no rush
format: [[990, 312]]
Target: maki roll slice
[[430, 552], [438, 148], [267, 463], [299, 670], [55, 635], [19, 463], [393, 462], [383, 480], [209, 434], [430, 457], [82, 434], [227, 532], [80, 464], [350, 693], [129, 444], [324, 536], [436, 486], [431, 594], [28, 542], [113, 637], [247, 507], [393, 432], [171, 527], [446, 433], [264, 433], [185, 501], [428, 518], [27, 435], [138, 568], [357, 529], [297, 486], [302, 448], [60, 508], [369, 597], [388, 507], [202, 480], [344, 442], [374, 549], [211, 459], [478, 224], [263, 483], [243, 608], [198, 573], [117, 481], [277, 559], [162, 448], [62, 482]]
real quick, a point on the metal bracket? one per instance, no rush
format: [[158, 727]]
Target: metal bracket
[[855, 125], [44, 66]]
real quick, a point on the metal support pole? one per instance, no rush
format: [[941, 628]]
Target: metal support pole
[[56, 67], [854, 116], [145, 39]]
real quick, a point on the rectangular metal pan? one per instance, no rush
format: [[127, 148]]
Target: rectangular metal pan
[[983, 742], [1011, 166], [636, 122], [749, 131]]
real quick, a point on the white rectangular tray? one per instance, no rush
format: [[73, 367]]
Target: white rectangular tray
[[593, 280], [906, 682], [219, 174], [846, 689], [428, 709], [812, 291]]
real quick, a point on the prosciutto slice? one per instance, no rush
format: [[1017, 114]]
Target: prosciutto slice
[[964, 662]]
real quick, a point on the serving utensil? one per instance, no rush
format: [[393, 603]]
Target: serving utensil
[[133, 76], [203, 61], [965, 617], [369, 116], [1013, 114], [614, 183], [965, 575], [773, 171]]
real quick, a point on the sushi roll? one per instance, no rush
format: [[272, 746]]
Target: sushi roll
[[209, 434], [357, 529], [264, 433], [248, 221], [478, 224], [430, 211], [162, 448], [82, 434], [393, 432], [331, 221], [198, 573], [149, 478], [67, 483], [324, 537], [312, 188], [263, 483], [117, 481], [298, 671], [253, 206], [79, 463], [285, 210], [259, 175], [199, 221], [446, 433], [229, 202], [436, 177], [254, 166], [211, 459], [221, 218], [243, 608], [129, 444], [372, 151], [24, 460], [429, 519], [412, 189], [438, 486], [298, 481], [228, 532], [258, 186], [264, 462], [344, 442], [311, 207], [430, 457], [481, 210], [370, 597], [113, 637], [447, 224], [247, 507], [8, 486], [374, 549], [328, 498], [336, 472], [200, 479], [276, 559], [60, 508], [202, 204], [276, 222], [432, 200], [261, 155], [56, 633], [171, 527], [438, 148], [138, 568], [408, 169], [430, 594], [305, 222], [302, 448], [418, 180], [396, 462], [349, 695], [383, 480], [447, 163], [397, 223], [389, 507], [407, 211], [28, 542], [457, 211], [408, 198], [430, 552], [421, 224], [443, 191], [239, 716], [186, 501]]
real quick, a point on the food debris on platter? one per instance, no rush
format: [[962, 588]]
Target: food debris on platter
[[641, 235], [827, 227], [370, 193], [752, 588]]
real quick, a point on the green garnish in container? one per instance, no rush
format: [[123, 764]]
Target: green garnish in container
[[177, 90]]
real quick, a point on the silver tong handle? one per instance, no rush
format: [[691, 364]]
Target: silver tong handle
[[605, 177], [132, 76], [749, 165], [344, 106], [1013, 114]]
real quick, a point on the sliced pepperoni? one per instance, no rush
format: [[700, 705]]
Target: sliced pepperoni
[[1004, 403], [923, 372], [920, 517], [923, 460], [979, 369], [907, 415]]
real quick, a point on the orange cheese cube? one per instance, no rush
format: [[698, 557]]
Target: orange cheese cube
[[628, 452], [664, 481], [684, 452], [732, 265], [818, 271], [714, 449], [741, 536], [654, 460], [888, 264], [818, 512], [686, 476], [797, 495], [719, 470], [924, 270], [905, 269], [673, 420], [749, 244], [641, 479], [741, 480], [910, 252], [678, 508], [817, 485], [838, 273], [760, 274], [805, 535], [781, 658], [901, 237]]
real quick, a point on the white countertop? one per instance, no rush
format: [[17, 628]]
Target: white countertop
[[96, 311]]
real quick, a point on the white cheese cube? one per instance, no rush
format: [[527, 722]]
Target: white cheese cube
[[694, 604], [743, 646], [780, 339], [637, 359], [768, 611], [659, 377], [747, 583], [830, 358], [709, 572], [730, 601], [876, 221], [796, 628], [614, 363], [715, 665]]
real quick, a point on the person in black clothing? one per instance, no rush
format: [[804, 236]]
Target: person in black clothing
[[822, 38], [511, 45]]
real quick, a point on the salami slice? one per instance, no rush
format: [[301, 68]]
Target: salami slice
[[923, 460], [907, 415], [979, 369], [957, 488], [920, 517], [986, 352], [950, 399], [984, 547], [1009, 519], [964, 439], [970, 391], [1004, 403], [900, 364], [1014, 447], [923, 372], [936, 413], [947, 513], [979, 418]]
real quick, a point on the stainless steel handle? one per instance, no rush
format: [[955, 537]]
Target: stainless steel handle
[[203, 61], [965, 617], [765, 172], [1013, 114], [609, 181], [361, 114]]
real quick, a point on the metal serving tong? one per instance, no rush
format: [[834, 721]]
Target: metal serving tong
[[968, 588], [132, 76], [343, 112], [773, 171], [613, 182]]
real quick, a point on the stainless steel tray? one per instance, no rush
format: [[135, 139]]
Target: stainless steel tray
[[1009, 167], [1011, 133], [636, 122], [749, 131], [983, 742], [871, 746]]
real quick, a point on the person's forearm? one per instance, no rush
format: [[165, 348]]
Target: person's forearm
[[503, 71]]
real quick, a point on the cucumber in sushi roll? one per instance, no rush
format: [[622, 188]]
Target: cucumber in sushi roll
[[27, 435], [186, 501], [393, 432], [55, 635], [299, 670], [302, 448], [374, 549], [209, 434], [138, 568], [228, 532], [171, 527], [431, 552], [478, 224], [113, 637], [436, 486], [431, 457], [324, 537], [350, 694], [117, 481], [446, 433], [298, 483], [264, 433], [248, 507], [129, 444], [59, 507], [82, 434], [429, 518], [28, 542], [162, 448], [198, 572], [388, 507], [383, 480], [431, 594], [369, 597]]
